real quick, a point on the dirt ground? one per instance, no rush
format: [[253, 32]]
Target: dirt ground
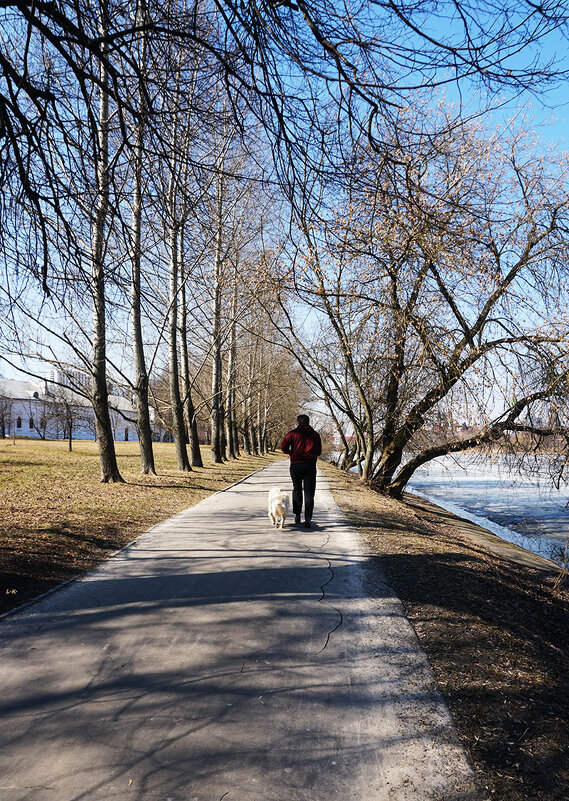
[[494, 622]]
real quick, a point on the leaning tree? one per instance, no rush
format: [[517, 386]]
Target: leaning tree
[[446, 278]]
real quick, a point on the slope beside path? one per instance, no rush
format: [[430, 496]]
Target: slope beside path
[[216, 658]]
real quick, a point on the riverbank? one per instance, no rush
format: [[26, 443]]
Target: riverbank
[[494, 621]]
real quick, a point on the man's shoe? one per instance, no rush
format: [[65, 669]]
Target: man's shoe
[[297, 520], [307, 524]]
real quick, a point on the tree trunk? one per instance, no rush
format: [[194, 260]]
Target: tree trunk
[[246, 441], [264, 429], [189, 410], [100, 398], [389, 461], [195, 451], [178, 427], [258, 426], [235, 430], [248, 421], [230, 412], [229, 423], [141, 374], [216, 371], [253, 436]]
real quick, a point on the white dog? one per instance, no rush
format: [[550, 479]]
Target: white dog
[[278, 506]]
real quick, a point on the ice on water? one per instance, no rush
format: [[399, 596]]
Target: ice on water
[[524, 509]]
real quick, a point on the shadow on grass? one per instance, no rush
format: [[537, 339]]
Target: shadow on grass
[[14, 463], [176, 486]]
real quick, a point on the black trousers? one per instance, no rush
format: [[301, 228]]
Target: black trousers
[[303, 475]]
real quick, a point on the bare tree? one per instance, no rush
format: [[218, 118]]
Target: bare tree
[[5, 415], [190, 416], [67, 411], [140, 383], [178, 428], [100, 397], [447, 279], [217, 408], [232, 434]]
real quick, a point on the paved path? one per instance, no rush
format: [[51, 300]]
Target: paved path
[[216, 659]]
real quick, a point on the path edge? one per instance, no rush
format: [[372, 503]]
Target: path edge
[[80, 576]]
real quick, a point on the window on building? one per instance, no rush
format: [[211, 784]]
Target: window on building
[[18, 422], [126, 435], [31, 423]]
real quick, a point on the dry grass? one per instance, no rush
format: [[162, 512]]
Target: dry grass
[[497, 637], [57, 520]]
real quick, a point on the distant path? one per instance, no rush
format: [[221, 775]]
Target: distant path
[[219, 660]]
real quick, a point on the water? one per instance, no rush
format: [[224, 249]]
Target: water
[[524, 509]]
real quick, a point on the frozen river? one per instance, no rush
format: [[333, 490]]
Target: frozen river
[[526, 510]]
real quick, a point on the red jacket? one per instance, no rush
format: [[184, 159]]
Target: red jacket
[[302, 444]]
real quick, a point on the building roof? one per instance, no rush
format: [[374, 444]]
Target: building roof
[[44, 390], [21, 390]]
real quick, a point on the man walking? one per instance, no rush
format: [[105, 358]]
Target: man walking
[[304, 446]]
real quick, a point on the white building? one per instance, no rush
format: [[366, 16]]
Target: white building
[[43, 409]]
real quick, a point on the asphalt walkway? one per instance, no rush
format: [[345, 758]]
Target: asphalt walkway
[[216, 659]]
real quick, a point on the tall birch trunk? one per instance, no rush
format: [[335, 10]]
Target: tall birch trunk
[[174, 226], [249, 425], [259, 428], [230, 422], [246, 437], [141, 374], [229, 415], [178, 427], [245, 410], [264, 436], [69, 431], [216, 372], [190, 420], [100, 397]]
